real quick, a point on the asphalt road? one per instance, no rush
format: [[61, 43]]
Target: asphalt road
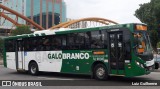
[[114, 82]]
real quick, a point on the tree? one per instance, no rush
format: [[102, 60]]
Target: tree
[[158, 45], [23, 29], [149, 13], [154, 39]]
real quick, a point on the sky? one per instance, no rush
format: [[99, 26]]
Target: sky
[[121, 11]]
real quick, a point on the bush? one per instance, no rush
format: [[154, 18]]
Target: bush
[[23, 29]]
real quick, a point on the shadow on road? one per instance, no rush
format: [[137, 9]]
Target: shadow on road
[[79, 80], [81, 77]]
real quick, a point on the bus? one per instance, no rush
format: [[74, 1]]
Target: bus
[[113, 50]]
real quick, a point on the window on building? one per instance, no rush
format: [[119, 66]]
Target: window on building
[[56, 18]]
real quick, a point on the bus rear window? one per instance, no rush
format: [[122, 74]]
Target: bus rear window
[[9, 46]]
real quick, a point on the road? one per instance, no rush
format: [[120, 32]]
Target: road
[[86, 81]]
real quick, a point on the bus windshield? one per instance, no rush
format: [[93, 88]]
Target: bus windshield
[[142, 42]]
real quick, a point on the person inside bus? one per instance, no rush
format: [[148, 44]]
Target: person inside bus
[[46, 44], [94, 44], [139, 43], [55, 45]]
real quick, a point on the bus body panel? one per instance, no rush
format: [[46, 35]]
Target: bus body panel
[[46, 61], [44, 64], [78, 61], [11, 62]]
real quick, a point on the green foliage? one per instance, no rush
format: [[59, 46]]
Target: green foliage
[[154, 38], [158, 45], [23, 29], [149, 13]]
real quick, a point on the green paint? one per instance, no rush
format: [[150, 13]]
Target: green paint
[[43, 34], [129, 26], [81, 66], [71, 64], [37, 34]]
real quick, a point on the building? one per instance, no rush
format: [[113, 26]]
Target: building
[[1, 3], [46, 13], [82, 24]]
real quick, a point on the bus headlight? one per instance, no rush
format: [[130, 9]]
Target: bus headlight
[[137, 63], [142, 66]]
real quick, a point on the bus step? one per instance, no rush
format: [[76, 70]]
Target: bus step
[[21, 70], [115, 75]]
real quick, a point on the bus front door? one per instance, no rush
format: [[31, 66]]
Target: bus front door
[[116, 53], [20, 54]]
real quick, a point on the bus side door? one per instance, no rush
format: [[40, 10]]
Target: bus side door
[[20, 54], [116, 53]]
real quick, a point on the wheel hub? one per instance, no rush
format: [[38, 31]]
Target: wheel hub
[[33, 69], [100, 72]]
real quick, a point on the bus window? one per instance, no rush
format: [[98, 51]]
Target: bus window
[[71, 41], [46, 44], [27, 46], [10, 45], [141, 42], [64, 42], [79, 41], [56, 43], [96, 39], [87, 36], [127, 46], [104, 38]]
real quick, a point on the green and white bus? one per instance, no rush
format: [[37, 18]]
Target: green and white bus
[[114, 50]]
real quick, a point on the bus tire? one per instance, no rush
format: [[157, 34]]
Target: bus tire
[[156, 65], [18, 71], [33, 68], [100, 72]]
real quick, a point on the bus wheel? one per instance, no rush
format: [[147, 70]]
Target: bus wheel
[[33, 68], [100, 72], [156, 66]]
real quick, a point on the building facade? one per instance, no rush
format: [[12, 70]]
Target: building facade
[[1, 1], [46, 13]]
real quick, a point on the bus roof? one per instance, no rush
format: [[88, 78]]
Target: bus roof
[[68, 30]]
